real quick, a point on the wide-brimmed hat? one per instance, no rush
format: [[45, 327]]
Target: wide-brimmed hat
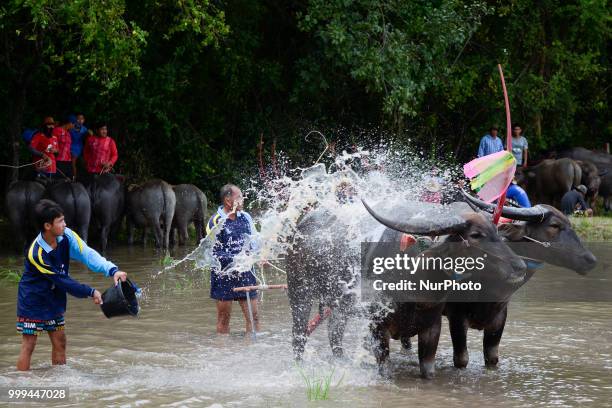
[[582, 188]]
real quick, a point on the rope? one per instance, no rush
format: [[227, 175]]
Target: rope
[[543, 243], [324, 141], [23, 165]]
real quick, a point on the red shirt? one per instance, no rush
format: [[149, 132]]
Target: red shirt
[[99, 150], [45, 145], [64, 140]]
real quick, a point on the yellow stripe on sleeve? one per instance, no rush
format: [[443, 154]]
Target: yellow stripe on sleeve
[[79, 241], [40, 257], [214, 222]]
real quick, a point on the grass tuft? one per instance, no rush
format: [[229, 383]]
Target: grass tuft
[[318, 384]]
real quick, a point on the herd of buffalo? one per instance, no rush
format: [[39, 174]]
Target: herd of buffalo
[[547, 181], [101, 205]]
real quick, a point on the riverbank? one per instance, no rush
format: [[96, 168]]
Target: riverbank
[[593, 229]]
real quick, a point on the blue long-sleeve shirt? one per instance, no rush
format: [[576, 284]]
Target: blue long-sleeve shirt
[[45, 281], [489, 145], [78, 139], [233, 235]]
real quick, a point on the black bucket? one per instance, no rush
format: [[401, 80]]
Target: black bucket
[[120, 300]]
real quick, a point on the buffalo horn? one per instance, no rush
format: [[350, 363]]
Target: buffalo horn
[[422, 226], [536, 213]]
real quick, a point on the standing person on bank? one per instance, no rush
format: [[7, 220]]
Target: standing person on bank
[[78, 135], [490, 143], [64, 143], [519, 146], [100, 152], [43, 147]]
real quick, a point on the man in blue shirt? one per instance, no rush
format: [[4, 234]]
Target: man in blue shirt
[[234, 228], [490, 143], [78, 134], [41, 299]]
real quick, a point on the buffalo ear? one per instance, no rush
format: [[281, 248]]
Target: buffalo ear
[[512, 232]]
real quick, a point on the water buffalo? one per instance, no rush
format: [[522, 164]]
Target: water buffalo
[[107, 204], [473, 232], [605, 191], [591, 179], [191, 206], [556, 243], [74, 200], [151, 204], [549, 180], [319, 270], [21, 198], [602, 160]]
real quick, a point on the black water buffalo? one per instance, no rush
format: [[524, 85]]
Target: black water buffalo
[[468, 234], [320, 270], [549, 180], [557, 244], [107, 194], [591, 179], [151, 204], [602, 160], [191, 206], [605, 191], [74, 200], [21, 198]]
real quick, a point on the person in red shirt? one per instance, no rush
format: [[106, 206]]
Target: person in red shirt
[[100, 152], [43, 147], [64, 141]]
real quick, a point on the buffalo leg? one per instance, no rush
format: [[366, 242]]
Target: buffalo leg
[[159, 235], [406, 343], [300, 311], [380, 342], [104, 237], [492, 337], [428, 345], [458, 330], [130, 228], [337, 324], [83, 233], [199, 231], [183, 234]]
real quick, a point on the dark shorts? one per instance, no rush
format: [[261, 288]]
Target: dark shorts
[[35, 327], [221, 286]]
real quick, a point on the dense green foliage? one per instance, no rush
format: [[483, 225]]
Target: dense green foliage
[[189, 86]]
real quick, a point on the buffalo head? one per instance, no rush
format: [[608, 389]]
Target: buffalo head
[[557, 242], [470, 235]]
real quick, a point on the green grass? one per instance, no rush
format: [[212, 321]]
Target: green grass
[[166, 260], [594, 229], [9, 275], [318, 384]]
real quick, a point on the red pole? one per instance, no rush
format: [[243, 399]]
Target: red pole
[[502, 199]]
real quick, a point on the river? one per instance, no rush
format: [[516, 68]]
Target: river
[[553, 352]]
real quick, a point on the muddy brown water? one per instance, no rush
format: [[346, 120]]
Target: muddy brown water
[[554, 352]]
